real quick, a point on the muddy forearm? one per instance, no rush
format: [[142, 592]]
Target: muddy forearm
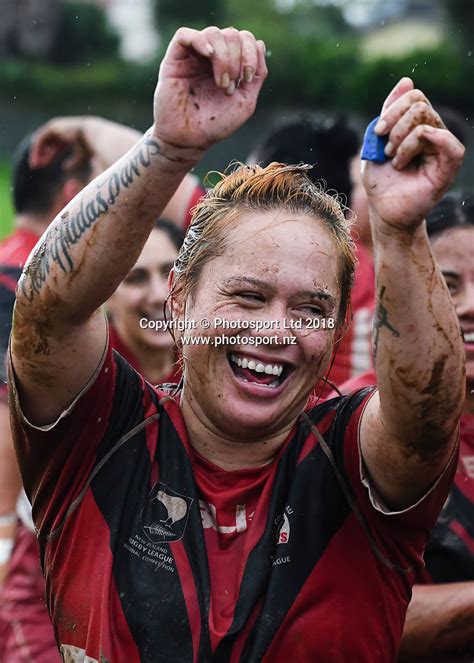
[[440, 619], [94, 242], [417, 345]]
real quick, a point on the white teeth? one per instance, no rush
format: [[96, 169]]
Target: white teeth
[[258, 367], [469, 337]]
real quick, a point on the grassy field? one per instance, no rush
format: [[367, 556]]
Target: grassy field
[[6, 210]]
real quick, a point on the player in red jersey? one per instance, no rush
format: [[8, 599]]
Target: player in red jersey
[[25, 627], [38, 197], [236, 520], [440, 618]]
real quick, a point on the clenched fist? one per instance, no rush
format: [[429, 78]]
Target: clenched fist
[[425, 158], [208, 86]]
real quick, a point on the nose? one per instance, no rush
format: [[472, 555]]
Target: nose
[[276, 324], [464, 302]]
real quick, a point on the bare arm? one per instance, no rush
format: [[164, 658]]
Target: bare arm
[[410, 427], [59, 332], [100, 143], [440, 620]]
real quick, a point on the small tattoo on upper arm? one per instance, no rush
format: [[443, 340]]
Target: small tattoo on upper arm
[[381, 320]]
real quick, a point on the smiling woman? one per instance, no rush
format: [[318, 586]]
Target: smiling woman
[[272, 247], [141, 298], [236, 519]]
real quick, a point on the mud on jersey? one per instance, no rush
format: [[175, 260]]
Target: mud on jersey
[[152, 554]]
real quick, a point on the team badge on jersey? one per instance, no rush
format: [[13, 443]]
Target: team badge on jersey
[[165, 514]]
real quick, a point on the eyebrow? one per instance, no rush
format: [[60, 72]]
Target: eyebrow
[[319, 294]]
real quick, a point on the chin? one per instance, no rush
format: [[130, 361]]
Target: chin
[[157, 340]]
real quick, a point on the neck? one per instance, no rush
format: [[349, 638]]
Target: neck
[[227, 452], [468, 407], [35, 223], [155, 363]]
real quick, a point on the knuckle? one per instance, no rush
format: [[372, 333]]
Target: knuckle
[[181, 32], [421, 106], [417, 95], [212, 31]]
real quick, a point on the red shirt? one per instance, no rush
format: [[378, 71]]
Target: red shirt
[[153, 554], [449, 555], [14, 251], [354, 353]]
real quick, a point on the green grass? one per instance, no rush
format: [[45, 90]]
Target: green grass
[[6, 209]]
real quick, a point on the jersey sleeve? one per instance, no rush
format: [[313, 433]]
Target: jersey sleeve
[[57, 461], [398, 538]]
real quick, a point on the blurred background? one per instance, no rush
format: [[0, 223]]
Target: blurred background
[[101, 57]]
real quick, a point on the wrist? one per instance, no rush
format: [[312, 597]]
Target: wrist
[[179, 156], [384, 232]]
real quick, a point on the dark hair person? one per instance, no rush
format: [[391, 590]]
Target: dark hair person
[[139, 329], [440, 618], [225, 521]]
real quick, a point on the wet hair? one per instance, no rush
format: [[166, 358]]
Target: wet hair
[[34, 190], [454, 210], [257, 189], [169, 228], [328, 144]]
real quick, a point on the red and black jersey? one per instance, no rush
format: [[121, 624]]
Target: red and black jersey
[[153, 554], [449, 555], [14, 251]]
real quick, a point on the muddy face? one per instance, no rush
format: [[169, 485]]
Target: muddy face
[[279, 269]]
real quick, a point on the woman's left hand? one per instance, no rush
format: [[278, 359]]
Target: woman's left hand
[[425, 158]]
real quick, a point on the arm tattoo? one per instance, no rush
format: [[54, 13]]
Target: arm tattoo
[[62, 236], [381, 320]]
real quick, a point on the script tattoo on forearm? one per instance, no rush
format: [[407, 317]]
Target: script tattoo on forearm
[[381, 320], [62, 236]]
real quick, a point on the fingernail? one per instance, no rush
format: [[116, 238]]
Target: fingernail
[[248, 74], [395, 162], [427, 129], [210, 49], [225, 80], [389, 149], [230, 88], [380, 127], [263, 44]]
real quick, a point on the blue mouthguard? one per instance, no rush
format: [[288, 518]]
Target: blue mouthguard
[[373, 146]]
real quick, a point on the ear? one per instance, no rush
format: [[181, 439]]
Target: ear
[[175, 301]]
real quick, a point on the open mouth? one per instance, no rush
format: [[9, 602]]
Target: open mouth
[[249, 369], [468, 337]]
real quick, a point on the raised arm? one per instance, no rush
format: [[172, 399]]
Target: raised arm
[[409, 428], [59, 332]]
